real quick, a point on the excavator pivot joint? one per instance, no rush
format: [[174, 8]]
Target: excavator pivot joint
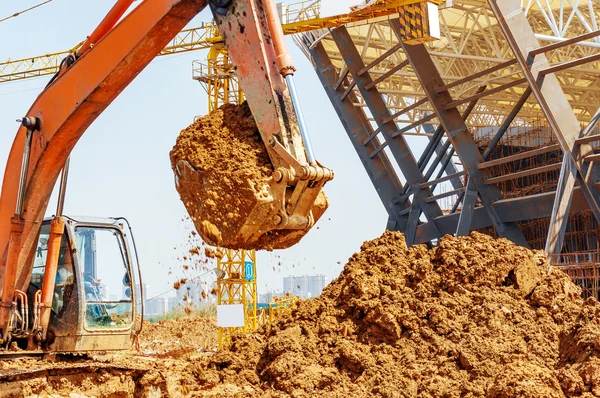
[[30, 122]]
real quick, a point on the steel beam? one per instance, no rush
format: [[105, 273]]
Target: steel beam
[[483, 94], [377, 60], [445, 194], [559, 216], [379, 169], [466, 213], [376, 105], [506, 123], [524, 173], [570, 64], [477, 75], [413, 222], [558, 227], [441, 154], [413, 125], [511, 210], [458, 134], [387, 74], [563, 43], [453, 176], [406, 110], [450, 168], [446, 160], [556, 109], [520, 155]]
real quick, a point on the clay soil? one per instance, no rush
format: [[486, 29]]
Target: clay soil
[[159, 369], [227, 151], [473, 317]]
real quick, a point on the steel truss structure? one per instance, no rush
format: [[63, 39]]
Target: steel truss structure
[[508, 99]]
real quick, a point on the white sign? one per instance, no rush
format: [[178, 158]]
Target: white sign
[[230, 315]]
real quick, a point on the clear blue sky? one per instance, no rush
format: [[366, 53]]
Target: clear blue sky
[[121, 165]]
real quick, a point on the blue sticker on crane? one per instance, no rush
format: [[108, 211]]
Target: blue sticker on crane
[[249, 270]]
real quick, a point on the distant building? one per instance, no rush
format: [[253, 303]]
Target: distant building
[[266, 298], [305, 286], [156, 306]]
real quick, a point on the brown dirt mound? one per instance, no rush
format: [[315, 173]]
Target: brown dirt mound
[[472, 317], [208, 142], [226, 149]]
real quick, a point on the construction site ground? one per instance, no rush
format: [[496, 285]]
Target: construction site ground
[[159, 368], [472, 317]]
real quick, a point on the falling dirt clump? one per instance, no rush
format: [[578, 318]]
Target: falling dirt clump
[[473, 317], [232, 164], [210, 253]]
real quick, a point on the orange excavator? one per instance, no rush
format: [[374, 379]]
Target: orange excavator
[[71, 284]]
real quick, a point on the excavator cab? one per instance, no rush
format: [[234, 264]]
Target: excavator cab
[[96, 298]]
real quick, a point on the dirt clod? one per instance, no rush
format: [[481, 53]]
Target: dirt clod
[[210, 253], [232, 164]]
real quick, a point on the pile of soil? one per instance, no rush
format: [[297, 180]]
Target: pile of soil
[[472, 317], [232, 164], [174, 337]]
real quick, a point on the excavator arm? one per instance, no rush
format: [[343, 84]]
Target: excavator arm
[[92, 78]]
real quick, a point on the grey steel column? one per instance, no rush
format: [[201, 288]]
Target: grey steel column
[[378, 109], [379, 169], [458, 133], [556, 108], [466, 213]]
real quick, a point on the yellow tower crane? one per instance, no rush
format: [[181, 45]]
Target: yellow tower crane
[[236, 269]]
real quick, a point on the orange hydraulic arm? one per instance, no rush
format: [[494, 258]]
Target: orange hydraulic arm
[[89, 80], [62, 113]]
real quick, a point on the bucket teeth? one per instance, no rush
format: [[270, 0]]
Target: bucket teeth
[[251, 215]]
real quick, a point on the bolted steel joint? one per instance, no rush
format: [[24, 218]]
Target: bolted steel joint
[[282, 174], [306, 172], [272, 141], [31, 122]]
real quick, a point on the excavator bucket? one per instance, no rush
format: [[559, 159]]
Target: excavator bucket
[[251, 215], [246, 174], [235, 197]]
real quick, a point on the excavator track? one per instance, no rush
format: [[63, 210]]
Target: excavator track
[[29, 374], [62, 369]]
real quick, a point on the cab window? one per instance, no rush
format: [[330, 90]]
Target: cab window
[[106, 278]]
